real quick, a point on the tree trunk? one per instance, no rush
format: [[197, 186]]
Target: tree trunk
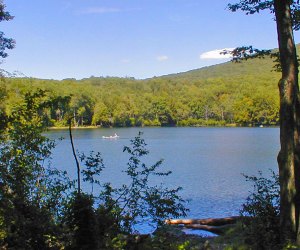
[[75, 157], [288, 157], [209, 221]]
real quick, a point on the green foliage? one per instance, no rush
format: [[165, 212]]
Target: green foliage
[[93, 167], [101, 115], [39, 208], [170, 238], [31, 194], [139, 200], [237, 247], [119, 210], [234, 238], [259, 226], [82, 223], [242, 94], [261, 212], [111, 226]]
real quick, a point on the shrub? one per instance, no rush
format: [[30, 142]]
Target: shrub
[[82, 223], [119, 210], [261, 212], [31, 195]]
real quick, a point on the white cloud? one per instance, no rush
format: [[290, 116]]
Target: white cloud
[[162, 58], [216, 54]]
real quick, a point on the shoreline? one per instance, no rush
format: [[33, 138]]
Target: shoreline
[[223, 126], [66, 127]]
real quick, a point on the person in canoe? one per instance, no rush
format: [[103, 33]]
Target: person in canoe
[[115, 136]]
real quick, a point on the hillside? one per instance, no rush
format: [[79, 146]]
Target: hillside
[[229, 93], [230, 69], [254, 67]]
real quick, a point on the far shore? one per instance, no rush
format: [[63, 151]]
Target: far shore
[[223, 126], [66, 127]]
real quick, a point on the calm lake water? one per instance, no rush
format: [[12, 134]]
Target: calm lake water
[[207, 162]]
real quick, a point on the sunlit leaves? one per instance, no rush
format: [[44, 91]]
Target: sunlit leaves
[[197, 98]]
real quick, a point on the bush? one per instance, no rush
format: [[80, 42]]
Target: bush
[[31, 195], [153, 123], [119, 210], [38, 209], [82, 223], [261, 213], [141, 201]]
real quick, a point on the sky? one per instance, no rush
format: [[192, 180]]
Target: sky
[[58, 39]]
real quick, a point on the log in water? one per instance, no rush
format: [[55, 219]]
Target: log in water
[[213, 225], [209, 221]]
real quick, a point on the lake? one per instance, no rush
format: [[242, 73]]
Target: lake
[[207, 162]]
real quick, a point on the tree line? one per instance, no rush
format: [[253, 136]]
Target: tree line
[[242, 100]]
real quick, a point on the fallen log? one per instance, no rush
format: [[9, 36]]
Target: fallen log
[[209, 221], [219, 230]]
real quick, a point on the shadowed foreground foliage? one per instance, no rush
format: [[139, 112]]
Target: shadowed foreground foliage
[[39, 207], [259, 227]]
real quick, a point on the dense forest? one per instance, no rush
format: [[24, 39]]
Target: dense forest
[[242, 94]]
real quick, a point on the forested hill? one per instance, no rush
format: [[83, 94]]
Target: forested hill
[[243, 94], [260, 67]]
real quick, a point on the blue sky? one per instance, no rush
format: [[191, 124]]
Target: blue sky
[[59, 39]]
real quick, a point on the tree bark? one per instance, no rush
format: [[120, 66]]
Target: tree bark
[[214, 225], [288, 157], [209, 221]]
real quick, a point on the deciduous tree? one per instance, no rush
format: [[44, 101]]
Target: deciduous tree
[[287, 16]]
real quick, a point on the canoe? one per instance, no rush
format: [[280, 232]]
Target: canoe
[[111, 137]]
